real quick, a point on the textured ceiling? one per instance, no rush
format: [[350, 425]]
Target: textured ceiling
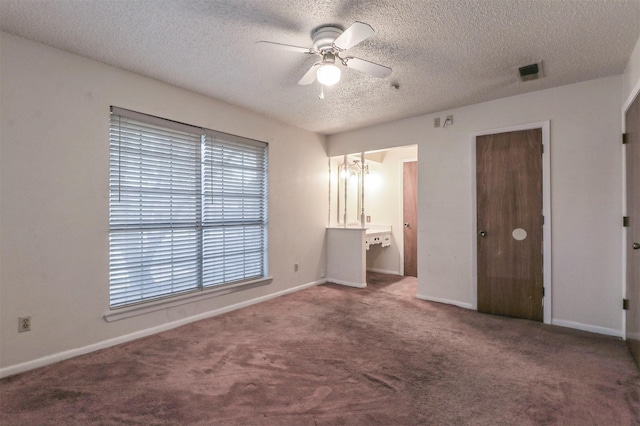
[[444, 53]]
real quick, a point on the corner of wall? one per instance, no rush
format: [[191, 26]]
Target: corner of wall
[[631, 78]]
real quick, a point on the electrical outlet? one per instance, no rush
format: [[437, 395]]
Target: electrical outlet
[[436, 122], [24, 324], [295, 267], [368, 218]]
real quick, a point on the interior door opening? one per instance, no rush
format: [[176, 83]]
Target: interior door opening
[[410, 217]]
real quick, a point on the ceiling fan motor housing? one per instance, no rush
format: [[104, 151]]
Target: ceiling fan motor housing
[[324, 37]]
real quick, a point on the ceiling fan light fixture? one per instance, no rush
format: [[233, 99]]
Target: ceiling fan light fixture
[[328, 74]]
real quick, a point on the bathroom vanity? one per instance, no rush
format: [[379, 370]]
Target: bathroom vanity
[[377, 234]]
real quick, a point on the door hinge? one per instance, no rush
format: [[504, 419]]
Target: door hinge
[[625, 221], [625, 304], [542, 291], [624, 138], [543, 219], [542, 149]]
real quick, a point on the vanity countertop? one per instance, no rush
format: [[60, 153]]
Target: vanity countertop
[[378, 229], [369, 230]]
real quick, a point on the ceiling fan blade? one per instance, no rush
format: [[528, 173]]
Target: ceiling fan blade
[[357, 32], [367, 67], [288, 47], [310, 76]]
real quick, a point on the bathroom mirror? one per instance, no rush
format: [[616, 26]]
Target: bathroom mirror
[[350, 187]]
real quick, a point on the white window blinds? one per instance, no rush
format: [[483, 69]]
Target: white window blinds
[[187, 208]]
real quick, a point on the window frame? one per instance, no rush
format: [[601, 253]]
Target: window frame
[[259, 207]]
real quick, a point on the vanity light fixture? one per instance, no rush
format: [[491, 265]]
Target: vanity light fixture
[[364, 168], [350, 169]]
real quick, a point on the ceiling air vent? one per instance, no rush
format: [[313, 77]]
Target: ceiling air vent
[[530, 72]]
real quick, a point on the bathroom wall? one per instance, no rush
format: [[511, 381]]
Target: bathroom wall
[[383, 202]]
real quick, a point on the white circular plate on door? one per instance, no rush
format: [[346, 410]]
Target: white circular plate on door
[[519, 234]]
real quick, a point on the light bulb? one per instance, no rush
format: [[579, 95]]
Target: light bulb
[[328, 74]]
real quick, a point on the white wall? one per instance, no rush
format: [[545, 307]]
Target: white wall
[[54, 266], [586, 191], [383, 202]]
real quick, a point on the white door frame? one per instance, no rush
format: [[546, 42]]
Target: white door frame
[[546, 211]]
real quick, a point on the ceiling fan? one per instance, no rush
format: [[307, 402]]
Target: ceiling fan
[[330, 42]]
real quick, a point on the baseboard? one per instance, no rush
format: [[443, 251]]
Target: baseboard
[[561, 323], [447, 301], [61, 356], [587, 327], [631, 336], [383, 271], [348, 283]]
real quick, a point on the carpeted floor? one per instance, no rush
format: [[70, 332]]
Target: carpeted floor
[[333, 355]]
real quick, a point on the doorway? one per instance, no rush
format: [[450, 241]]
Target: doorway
[[509, 242], [381, 176], [410, 217]]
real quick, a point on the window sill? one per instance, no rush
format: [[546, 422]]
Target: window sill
[[196, 296]]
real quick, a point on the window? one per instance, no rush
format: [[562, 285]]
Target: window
[[187, 208]]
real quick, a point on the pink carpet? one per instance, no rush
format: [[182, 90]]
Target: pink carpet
[[333, 355]]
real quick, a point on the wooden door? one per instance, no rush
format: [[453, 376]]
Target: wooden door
[[410, 218], [632, 121], [509, 217]]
